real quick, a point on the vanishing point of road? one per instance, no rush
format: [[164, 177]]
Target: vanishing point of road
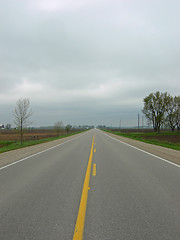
[[90, 187]]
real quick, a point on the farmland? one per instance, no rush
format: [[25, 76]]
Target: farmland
[[34, 134], [10, 139], [165, 138]]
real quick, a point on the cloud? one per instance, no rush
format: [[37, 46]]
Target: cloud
[[62, 5], [26, 86], [68, 56]]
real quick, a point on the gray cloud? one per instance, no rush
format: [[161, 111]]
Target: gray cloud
[[89, 61]]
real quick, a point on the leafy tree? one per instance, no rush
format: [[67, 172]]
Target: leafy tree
[[155, 105], [58, 126], [177, 100], [2, 126], [68, 128], [22, 113], [172, 113]]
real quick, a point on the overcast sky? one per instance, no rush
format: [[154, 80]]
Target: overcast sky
[[87, 61]]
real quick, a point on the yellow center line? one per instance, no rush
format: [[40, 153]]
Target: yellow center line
[[95, 150], [79, 228], [94, 170]]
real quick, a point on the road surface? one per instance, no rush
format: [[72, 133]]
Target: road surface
[[131, 195]]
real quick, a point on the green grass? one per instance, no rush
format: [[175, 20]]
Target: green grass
[[12, 145], [140, 137]]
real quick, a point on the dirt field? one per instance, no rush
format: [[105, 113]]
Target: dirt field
[[165, 138], [35, 134], [172, 138]]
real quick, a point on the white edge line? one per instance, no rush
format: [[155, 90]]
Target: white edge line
[[33, 155], [165, 160]]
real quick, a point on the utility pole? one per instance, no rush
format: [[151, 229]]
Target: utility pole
[[138, 122], [142, 122], [178, 124], [120, 124]]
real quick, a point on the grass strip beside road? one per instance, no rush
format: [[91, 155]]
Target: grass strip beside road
[[6, 146], [141, 137]]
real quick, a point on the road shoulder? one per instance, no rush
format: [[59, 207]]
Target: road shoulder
[[166, 153], [7, 158]]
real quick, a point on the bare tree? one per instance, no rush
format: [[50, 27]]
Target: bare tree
[[8, 126], [58, 126], [22, 113]]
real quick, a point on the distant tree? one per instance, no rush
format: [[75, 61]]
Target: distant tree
[[68, 128], [177, 100], [22, 114], [1, 126], [172, 113], [155, 106], [101, 126], [58, 126], [8, 126]]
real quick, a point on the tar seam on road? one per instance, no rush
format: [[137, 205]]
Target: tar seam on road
[[79, 228], [165, 160], [33, 155]]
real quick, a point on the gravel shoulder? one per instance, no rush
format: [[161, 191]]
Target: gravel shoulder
[[166, 153], [15, 155]]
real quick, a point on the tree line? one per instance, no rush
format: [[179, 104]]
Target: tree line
[[159, 108], [162, 109]]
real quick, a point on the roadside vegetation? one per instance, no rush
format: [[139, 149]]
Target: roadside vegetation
[[162, 109], [23, 136], [168, 140], [22, 113], [12, 145]]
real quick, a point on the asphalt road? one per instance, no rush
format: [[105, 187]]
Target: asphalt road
[[132, 195]]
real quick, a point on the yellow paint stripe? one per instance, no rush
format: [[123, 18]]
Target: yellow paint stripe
[[79, 229], [94, 170], [95, 150]]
